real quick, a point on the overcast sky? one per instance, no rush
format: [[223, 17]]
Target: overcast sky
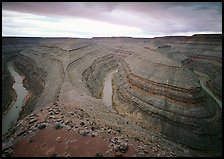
[[94, 19]]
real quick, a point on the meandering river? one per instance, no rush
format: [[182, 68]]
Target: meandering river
[[203, 79], [107, 90], [12, 114]]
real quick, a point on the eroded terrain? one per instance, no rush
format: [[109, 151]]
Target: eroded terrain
[[161, 105]]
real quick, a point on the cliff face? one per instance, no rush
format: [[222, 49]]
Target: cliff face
[[156, 88]]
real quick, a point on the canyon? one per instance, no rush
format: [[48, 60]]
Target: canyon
[[165, 92]]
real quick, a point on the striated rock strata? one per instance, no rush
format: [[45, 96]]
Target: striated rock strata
[[155, 90]]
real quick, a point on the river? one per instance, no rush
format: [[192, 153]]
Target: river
[[108, 90], [203, 79], [12, 114]]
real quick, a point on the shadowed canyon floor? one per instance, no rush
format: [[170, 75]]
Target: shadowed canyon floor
[[162, 105]]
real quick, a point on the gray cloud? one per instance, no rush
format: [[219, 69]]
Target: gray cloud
[[159, 17]]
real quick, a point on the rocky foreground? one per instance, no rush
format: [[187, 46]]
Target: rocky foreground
[[160, 108], [59, 130]]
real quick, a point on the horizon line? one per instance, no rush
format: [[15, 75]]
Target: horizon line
[[15, 36]]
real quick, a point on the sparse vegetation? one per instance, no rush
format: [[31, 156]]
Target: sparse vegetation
[[99, 154]]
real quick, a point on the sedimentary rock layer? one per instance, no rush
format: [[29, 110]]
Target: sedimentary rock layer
[[162, 93], [169, 99], [155, 85], [169, 110]]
